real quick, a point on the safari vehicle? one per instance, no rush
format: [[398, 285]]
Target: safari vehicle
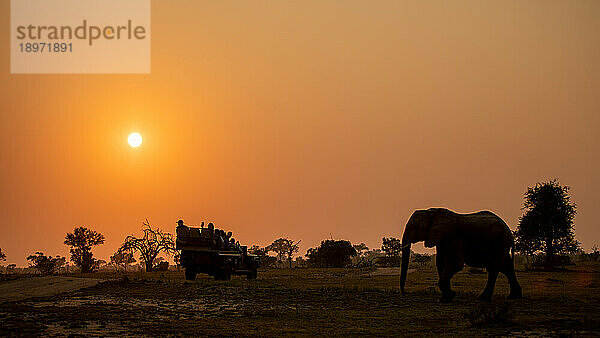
[[212, 251]]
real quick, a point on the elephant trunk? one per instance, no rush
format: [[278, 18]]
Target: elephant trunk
[[404, 269]]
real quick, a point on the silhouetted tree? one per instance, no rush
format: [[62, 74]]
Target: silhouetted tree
[[102, 263], [331, 253], [255, 249], [391, 246], [284, 248], [2, 255], [360, 248], [364, 257], [81, 241], [368, 258], [150, 245], [374, 253], [526, 245], [266, 261], [46, 265], [122, 259], [393, 250], [547, 223]]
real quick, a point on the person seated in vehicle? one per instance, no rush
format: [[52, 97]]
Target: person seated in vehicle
[[181, 229], [226, 240], [211, 230], [222, 244]]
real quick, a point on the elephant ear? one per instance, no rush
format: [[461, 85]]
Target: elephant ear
[[440, 228]]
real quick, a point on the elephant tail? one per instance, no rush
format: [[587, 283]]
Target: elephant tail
[[512, 252]]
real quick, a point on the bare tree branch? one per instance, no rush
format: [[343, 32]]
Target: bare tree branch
[[150, 245]]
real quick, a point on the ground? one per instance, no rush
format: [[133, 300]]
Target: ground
[[302, 302]]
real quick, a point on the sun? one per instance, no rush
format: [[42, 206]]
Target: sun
[[135, 140]]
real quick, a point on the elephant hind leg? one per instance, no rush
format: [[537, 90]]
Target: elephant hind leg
[[487, 293], [509, 271]]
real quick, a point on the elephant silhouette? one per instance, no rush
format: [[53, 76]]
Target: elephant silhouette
[[481, 240]]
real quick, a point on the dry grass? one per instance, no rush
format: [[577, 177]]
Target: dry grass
[[313, 302]]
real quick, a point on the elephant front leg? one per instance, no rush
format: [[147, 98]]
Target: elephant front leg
[[450, 261], [444, 284], [445, 273]]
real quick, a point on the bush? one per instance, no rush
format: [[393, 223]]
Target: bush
[[46, 265], [388, 261], [331, 254], [593, 256], [556, 260], [161, 266], [421, 259]]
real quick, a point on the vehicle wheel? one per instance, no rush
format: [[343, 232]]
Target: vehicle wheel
[[190, 274], [218, 275], [253, 274], [223, 274]]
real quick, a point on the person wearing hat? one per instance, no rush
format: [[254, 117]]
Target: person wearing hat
[[180, 230]]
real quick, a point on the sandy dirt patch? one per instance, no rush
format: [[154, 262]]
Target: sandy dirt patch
[[312, 302], [42, 287]]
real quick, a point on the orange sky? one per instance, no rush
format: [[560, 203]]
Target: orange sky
[[308, 119]]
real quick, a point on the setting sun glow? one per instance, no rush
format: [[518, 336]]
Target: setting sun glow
[[135, 140]]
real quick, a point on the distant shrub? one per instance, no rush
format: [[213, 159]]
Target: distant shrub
[[268, 261], [122, 259], [489, 314], [541, 261], [46, 265], [421, 259], [388, 261], [331, 254], [364, 262], [593, 256], [417, 259], [161, 266]]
